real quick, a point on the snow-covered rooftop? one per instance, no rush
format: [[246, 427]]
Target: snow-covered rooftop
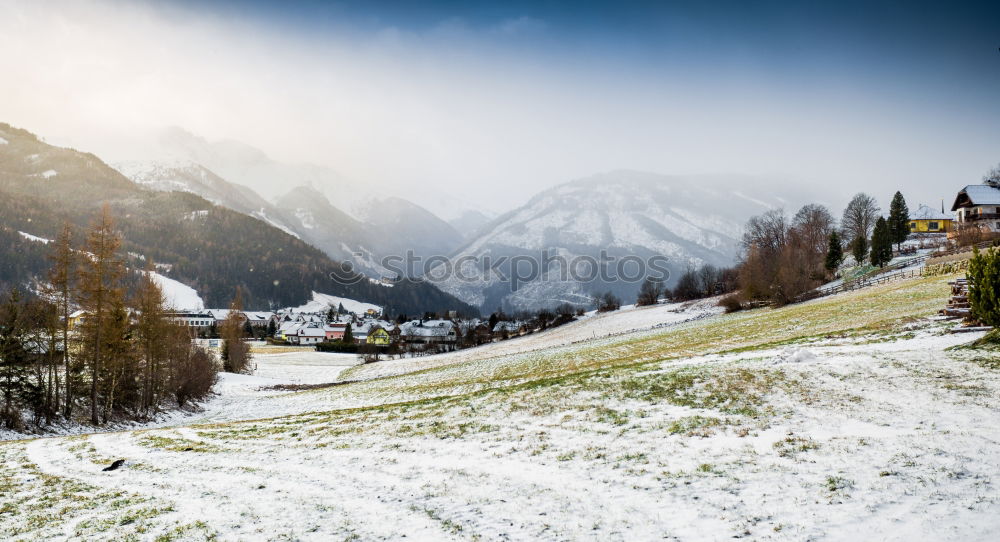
[[925, 212], [982, 194]]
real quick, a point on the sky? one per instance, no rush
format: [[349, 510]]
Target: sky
[[490, 103]]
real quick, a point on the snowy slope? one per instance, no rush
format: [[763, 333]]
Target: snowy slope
[[184, 176], [179, 296], [323, 302], [883, 434]]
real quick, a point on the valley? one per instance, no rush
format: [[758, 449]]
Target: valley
[[831, 419]]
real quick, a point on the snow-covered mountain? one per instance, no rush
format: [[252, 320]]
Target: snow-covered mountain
[[688, 220], [469, 223], [185, 176], [377, 229]]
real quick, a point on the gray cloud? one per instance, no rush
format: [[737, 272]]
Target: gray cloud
[[469, 111]]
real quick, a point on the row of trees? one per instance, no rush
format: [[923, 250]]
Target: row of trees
[[695, 283], [784, 258], [867, 233], [125, 357]]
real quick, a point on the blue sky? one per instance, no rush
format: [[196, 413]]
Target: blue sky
[[501, 99]]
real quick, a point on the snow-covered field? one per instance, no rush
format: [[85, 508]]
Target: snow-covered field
[[845, 418]]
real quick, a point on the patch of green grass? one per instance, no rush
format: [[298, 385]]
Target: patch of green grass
[[610, 415], [178, 444], [693, 425], [793, 445], [730, 390], [835, 484]]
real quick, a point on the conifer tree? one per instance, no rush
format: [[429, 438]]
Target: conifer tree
[[899, 220], [59, 290], [152, 336], [835, 253], [881, 252], [13, 361], [859, 247], [100, 277], [348, 334], [984, 286]]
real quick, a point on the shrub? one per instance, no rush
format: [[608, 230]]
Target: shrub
[[608, 302], [984, 286], [337, 346], [195, 376], [731, 303]]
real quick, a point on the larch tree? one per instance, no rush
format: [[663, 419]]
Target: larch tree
[[152, 337], [59, 289], [100, 285]]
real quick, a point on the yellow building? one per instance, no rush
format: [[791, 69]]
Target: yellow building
[[76, 319], [379, 337], [928, 220]]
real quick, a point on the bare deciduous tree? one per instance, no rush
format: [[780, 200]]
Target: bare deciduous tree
[[859, 218]]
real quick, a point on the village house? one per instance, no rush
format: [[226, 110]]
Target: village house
[[929, 220], [306, 334], [978, 205], [199, 320], [429, 335], [379, 337], [335, 330], [506, 329], [76, 319]]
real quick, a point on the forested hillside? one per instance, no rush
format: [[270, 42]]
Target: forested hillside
[[210, 248]]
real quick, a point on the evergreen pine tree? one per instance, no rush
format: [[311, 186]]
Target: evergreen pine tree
[[859, 247], [984, 286], [13, 361], [881, 252], [899, 220], [835, 253], [348, 335]]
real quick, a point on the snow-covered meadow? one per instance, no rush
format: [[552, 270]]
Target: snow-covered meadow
[[845, 418]]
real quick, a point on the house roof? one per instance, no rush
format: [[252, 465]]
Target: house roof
[[507, 325], [925, 212], [427, 328], [310, 331], [977, 194]]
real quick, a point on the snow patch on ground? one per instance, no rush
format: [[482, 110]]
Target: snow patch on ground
[[323, 302], [30, 237]]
